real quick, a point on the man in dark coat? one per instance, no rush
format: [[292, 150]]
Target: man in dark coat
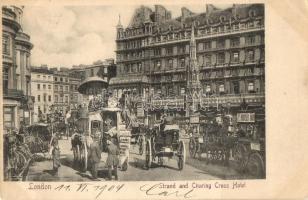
[[112, 159], [94, 158]]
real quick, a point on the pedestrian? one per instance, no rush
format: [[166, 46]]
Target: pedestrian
[[112, 159], [66, 121], [55, 154], [94, 157]]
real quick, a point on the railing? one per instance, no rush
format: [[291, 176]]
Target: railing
[[13, 93], [233, 100]]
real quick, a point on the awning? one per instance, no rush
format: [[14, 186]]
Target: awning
[[128, 80], [171, 127], [93, 82], [95, 117]]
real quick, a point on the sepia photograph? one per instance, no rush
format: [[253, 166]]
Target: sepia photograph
[[154, 93]]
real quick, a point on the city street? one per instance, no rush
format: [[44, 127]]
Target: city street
[[193, 170]]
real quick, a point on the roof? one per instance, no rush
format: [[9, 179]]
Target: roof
[[91, 82], [128, 79], [240, 11], [94, 116]]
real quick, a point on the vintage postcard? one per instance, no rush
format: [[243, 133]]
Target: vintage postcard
[[154, 99]]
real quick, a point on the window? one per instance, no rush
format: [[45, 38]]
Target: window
[[66, 88], [49, 87], [38, 86], [207, 45], [250, 55], [44, 77], [5, 74], [207, 88], [38, 98], [56, 79], [44, 86], [170, 63], [92, 72], [157, 65], [61, 79], [250, 40], [207, 60], [236, 87], [56, 98], [220, 43], [235, 57], [251, 87], [169, 51], [139, 67], [61, 88], [49, 98], [44, 97], [235, 26], [8, 117], [66, 80], [235, 42], [221, 88], [56, 87], [105, 70], [157, 52], [48, 77], [220, 58], [66, 99], [182, 62], [6, 44]]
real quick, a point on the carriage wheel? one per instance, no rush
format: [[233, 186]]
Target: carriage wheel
[[182, 155], [240, 156], [148, 155], [255, 165], [192, 147], [84, 157]]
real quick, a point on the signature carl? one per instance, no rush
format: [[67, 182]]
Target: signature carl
[[155, 190]]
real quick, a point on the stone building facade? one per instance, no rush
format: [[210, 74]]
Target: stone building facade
[[154, 52], [16, 52]]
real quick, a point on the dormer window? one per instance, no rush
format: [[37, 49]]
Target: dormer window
[[252, 13], [222, 19]]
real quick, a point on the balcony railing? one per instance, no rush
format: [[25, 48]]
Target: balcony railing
[[13, 93], [231, 99]]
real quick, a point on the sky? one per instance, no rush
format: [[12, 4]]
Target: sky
[[72, 35]]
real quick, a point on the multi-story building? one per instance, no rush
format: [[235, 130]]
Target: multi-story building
[[153, 55], [75, 97], [61, 89], [103, 69], [42, 89], [16, 47]]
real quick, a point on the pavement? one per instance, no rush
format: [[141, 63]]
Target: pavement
[[194, 169]]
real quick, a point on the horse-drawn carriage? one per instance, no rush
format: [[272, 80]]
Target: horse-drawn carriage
[[102, 125], [249, 152], [215, 139], [165, 142], [219, 138]]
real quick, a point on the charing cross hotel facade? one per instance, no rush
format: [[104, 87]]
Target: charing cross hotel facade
[[218, 54]]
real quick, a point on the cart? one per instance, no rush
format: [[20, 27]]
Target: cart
[[215, 140], [99, 130], [249, 152], [165, 143]]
